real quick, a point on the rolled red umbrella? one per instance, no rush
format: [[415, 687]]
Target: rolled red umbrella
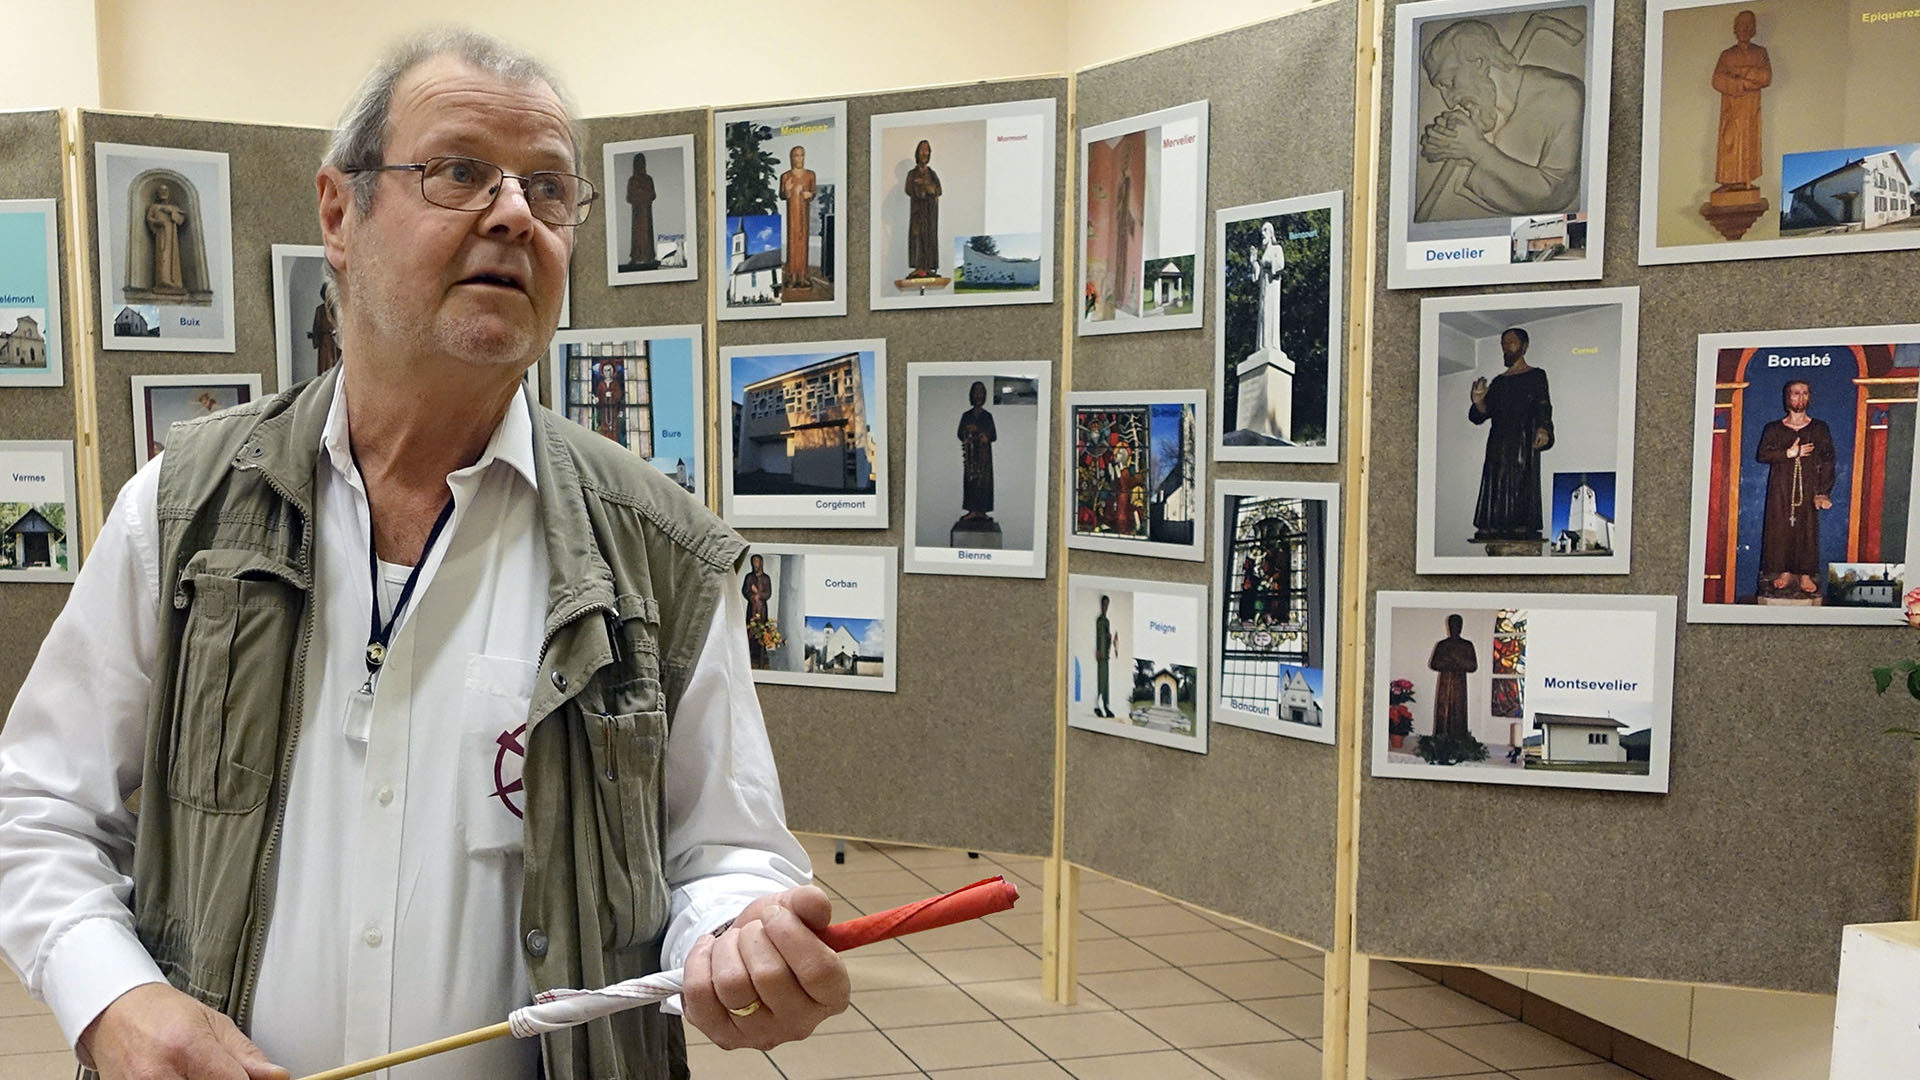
[[985, 897]]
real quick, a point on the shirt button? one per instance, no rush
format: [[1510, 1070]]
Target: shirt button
[[537, 942], [386, 794], [372, 937], [559, 681]]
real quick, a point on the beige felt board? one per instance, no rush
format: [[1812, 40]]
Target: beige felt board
[[667, 303], [274, 202], [1247, 829], [1790, 813], [962, 754], [30, 153]]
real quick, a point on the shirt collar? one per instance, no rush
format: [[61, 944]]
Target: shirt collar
[[512, 441]]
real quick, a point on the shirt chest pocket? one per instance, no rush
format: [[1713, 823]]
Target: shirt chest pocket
[[241, 616], [493, 707]]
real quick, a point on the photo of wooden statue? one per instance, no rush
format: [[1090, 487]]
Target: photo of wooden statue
[[640, 195], [325, 345], [1507, 516], [923, 223], [1743, 71], [976, 527]]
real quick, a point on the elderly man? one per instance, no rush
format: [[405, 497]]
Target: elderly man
[[432, 698], [1511, 133]]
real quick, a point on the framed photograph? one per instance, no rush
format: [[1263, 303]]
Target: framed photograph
[[1139, 472], [642, 387], [1508, 483], [1143, 194], [977, 458], [1803, 478], [1276, 606], [808, 445], [649, 188], [1141, 644], [161, 401], [1778, 128], [1499, 152], [305, 343], [821, 615], [31, 348], [781, 250], [165, 219], [39, 528], [1541, 689], [962, 208], [1278, 283]]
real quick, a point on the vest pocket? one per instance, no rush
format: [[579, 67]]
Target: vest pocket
[[230, 686], [628, 752]]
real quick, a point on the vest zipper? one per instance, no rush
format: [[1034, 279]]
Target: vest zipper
[[291, 713]]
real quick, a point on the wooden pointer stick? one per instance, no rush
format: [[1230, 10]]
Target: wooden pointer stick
[[980, 898]]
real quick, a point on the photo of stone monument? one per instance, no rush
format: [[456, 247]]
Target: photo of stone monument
[[166, 244], [1278, 343]]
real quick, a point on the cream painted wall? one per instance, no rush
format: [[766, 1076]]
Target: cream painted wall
[[295, 63], [51, 61], [1099, 31]]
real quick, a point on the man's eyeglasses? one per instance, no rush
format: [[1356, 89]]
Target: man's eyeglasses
[[471, 185]]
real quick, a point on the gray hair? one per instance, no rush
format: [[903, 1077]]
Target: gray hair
[[360, 140]]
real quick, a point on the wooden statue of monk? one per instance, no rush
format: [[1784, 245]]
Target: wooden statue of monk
[[1743, 71], [796, 187]]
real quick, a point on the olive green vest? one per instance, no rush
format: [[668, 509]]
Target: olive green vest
[[636, 573]]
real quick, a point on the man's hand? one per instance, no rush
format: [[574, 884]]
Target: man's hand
[[1478, 391], [770, 955], [154, 1032], [1452, 137], [1821, 502]]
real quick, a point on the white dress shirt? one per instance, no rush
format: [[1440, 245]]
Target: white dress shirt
[[396, 906]]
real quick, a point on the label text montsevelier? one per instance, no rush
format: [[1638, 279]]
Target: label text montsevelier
[[1555, 682]]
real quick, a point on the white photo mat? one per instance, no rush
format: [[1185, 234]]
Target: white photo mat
[[1706, 403], [1030, 122], [1195, 402], [935, 558], [860, 571], [806, 511], [31, 287], [1515, 308], [210, 237], [1484, 255], [691, 422], [143, 433], [834, 112], [1334, 202], [1230, 709], [613, 194], [1184, 633], [291, 262], [1629, 671], [39, 472], [1187, 187]]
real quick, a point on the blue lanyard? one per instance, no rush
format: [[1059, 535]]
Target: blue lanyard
[[379, 634]]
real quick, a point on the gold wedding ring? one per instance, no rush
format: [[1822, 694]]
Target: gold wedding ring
[[746, 1012]]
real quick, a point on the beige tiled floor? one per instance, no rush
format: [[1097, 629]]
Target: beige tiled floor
[[1166, 993]]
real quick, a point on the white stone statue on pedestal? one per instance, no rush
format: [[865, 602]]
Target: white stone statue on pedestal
[[1266, 376]]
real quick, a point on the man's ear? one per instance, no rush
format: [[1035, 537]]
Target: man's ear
[[337, 214]]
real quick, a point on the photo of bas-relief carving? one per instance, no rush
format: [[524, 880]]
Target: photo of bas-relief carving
[[1778, 127], [166, 248], [1499, 154]]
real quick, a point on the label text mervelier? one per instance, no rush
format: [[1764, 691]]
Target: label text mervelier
[[1624, 686]]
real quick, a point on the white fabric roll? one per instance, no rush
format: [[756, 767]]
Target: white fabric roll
[[553, 1010]]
